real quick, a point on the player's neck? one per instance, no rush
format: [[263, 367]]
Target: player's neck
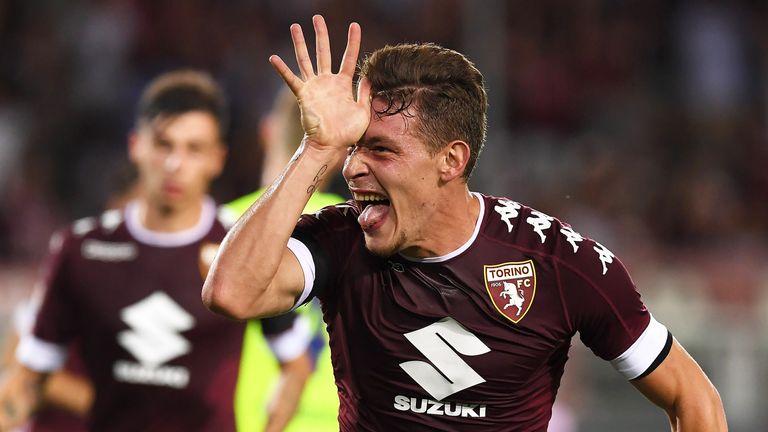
[[161, 217], [451, 226]]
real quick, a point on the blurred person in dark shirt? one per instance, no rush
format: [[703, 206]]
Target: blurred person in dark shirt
[[125, 286]]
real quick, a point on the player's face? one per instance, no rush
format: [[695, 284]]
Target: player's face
[[178, 157], [394, 181]]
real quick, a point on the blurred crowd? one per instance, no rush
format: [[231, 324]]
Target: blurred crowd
[[643, 123]]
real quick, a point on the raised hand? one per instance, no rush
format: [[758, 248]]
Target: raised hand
[[331, 116]]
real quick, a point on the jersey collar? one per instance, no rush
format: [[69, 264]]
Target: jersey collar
[[174, 239], [461, 248]]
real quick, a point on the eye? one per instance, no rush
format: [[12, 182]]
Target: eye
[[379, 149], [162, 143]]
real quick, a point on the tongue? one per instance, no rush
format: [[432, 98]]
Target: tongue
[[373, 216]]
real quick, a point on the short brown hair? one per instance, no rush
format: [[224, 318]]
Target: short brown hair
[[445, 87], [181, 91]]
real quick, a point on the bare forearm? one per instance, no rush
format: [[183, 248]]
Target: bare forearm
[[704, 413], [252, 252], [20, 395], [69, 392], [7, 359], [288, 392], [681, 388]]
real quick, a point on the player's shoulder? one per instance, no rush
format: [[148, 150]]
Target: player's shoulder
[[508, 220], [534, 231], [106, 224], [88, 232]]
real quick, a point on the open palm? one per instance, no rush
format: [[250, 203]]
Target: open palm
[[332, 117]]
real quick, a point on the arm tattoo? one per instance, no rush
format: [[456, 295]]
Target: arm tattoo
[[316, 181]]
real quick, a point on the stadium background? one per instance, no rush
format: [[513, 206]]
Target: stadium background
[[643, 123]]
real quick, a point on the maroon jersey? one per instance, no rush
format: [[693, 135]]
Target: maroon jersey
[[158, 359], [476, 339]]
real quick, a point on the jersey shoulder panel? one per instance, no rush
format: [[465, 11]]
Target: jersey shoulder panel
[[332, 235], [598, 295], [537, 232], [105, 225]]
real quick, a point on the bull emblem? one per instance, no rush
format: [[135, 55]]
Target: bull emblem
[[515, 295], [511, 284]]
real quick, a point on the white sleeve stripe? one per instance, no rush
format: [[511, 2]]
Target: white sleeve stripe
[[307, 263], [24, 315], [39, 355], [643, 353], [291, 343]]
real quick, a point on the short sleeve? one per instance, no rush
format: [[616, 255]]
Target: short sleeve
[[322, 242], [44, 347], [288, 335], [605, 307]]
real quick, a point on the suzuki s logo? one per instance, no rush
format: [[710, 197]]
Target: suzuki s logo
[[439, 343], [153, 339]]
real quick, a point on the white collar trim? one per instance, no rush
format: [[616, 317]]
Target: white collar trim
[[461, 248], [169, 239]]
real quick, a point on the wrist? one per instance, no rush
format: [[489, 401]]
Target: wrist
[[321, 153]]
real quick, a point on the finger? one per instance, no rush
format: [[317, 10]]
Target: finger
[[294, 83], [349, 61], [364, 92], [322, 45], [302, 55]]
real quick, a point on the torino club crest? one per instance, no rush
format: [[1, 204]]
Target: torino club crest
[[512, 287]]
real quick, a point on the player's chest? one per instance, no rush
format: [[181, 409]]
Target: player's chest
[[489, 313], [509, 291], [150, 285]]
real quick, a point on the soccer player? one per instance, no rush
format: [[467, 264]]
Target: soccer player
[[67, 394], [447, 309], [126, 286]]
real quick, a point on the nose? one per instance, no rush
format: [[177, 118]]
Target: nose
[[354, 165], [172, 162]]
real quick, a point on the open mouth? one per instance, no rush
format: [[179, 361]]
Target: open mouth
[[363, 200], [374, 209]]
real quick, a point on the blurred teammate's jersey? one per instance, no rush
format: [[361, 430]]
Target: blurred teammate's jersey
[[158, 359], [476, 339], [319, 405]]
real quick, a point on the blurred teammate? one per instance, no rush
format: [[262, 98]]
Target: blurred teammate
[[446, 309], [126, 286], [67, 394]]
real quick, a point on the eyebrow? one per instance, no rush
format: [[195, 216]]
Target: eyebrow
[[376, 139]]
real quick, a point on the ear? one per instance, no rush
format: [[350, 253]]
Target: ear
[[219, 159], [454, 159]]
